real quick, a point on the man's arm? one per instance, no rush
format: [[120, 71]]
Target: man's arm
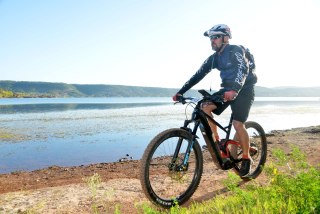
[[199, 75]]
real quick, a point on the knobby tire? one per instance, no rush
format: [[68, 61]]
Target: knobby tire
[[162, 185], [258, 139]]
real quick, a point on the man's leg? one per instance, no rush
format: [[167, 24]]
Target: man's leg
[[208, 108], [241, 136], [240, 108]]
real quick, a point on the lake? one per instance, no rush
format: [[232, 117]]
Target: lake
[[40, 132]]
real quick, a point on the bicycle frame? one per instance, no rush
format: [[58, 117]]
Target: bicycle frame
[[200, 119]]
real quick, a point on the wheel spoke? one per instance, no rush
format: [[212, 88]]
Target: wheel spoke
[[174, 182], [164, 177]]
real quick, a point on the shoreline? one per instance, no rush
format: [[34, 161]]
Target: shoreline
[[124, 177], [272, 133]]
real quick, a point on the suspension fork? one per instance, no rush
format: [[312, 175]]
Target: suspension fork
[[191, 142], [184, 165]]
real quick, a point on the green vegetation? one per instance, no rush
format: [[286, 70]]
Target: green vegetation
[[293, 186], [9, 94], [5, 93], [76, 90], [94, 182]]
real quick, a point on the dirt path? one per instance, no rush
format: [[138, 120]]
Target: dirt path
[[62, 190]]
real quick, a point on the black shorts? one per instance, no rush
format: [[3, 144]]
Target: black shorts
[[240, 106]]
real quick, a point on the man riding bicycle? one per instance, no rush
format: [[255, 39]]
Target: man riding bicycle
[[238, 83]]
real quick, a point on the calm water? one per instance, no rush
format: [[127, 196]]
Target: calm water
[[36, 133]]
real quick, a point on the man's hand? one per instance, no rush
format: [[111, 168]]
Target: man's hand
[[177, 97], [230, 95]]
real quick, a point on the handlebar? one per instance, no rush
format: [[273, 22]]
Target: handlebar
[[216, 98]]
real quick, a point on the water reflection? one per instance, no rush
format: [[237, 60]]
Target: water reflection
[[43, 108]]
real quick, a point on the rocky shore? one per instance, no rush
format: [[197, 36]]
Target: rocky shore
[[61, 189]]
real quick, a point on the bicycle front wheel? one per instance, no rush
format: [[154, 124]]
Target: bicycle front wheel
[[161, 176], [258, 151]]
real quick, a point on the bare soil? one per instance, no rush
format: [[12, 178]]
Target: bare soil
[[61, 189]]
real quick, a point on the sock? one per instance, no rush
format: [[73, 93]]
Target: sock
[[245, 156], [217, 138]]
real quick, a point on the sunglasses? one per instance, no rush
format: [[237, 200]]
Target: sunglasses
[[215, 37]]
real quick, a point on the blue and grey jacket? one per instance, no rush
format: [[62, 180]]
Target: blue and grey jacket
[[233, 67]]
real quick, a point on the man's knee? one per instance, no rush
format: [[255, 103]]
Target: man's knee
[[208, 108], [238, 126]]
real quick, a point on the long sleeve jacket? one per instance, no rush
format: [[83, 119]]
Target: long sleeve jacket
[[233, 67]]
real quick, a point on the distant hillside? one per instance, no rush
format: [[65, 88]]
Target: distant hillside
[[42, 88], [287, 92], [77, 90], [128, 91]]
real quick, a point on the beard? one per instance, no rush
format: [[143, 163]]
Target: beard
[[215, 47]]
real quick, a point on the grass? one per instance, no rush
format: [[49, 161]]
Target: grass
[[94, 182], [293, 186]]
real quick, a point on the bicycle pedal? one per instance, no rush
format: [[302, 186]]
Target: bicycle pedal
[[205, 147]]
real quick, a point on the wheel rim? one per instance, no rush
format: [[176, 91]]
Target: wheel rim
[[168, 184]]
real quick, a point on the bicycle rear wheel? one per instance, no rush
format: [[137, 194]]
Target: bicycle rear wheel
[[160, 177], [258, 142]]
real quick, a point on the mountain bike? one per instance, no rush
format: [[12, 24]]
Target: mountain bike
[[172, 164]]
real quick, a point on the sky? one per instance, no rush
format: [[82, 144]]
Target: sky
[[155, 43]]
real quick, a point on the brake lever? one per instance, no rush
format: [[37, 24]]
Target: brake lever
[[180, 101]]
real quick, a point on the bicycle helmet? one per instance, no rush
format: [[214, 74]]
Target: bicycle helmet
[[220, 29]]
